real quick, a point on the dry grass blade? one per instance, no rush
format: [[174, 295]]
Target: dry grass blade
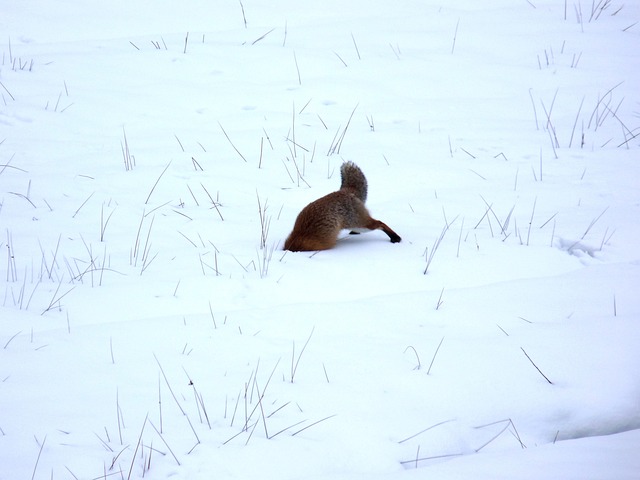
[[55, 300], [417, 367], [264, 418], [425, 430], [169, 385], [295, 59], [231, 143], [311, 425], [294, 366], [186, 41], [213, 202], [532, 363], [533, 211], [83, 204], [356, 46], [434, 356], [35, 467], [509, 423], [133, 457], [7, 90], [455, 37], [25, 197], [155, 184], [9, 341], [165, 442], [593, 222], [244, 17], [287, 428], [575, 123], [103, 223], [260, 38], [494, 437], [435, 457]]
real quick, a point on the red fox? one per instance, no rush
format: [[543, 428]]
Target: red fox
[[319, 223]]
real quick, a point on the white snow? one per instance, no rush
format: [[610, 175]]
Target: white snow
[[153, 158]]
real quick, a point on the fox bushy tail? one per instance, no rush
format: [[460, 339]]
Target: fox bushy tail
[[354, 180]]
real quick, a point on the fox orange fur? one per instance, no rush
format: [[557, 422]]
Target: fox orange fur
[[319, 223]]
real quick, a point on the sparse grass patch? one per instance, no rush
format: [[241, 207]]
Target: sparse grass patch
[[129, 160], [592, 129], [140, 253], [265, 222], [338, 139], [17, 64], [430, 254], [264, 257]]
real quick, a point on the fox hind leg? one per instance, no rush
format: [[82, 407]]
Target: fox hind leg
[[378, 225]]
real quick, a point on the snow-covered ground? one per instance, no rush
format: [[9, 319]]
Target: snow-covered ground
[[154, 156]]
